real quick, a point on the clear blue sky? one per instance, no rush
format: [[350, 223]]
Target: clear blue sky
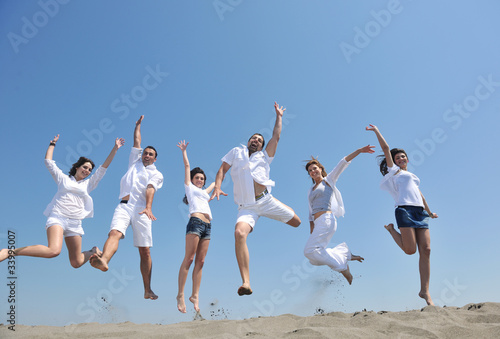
[[425, 72]]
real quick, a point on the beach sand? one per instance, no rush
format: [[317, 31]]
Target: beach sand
[[479, 320]]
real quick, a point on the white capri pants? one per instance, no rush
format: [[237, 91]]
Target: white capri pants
[[317, 252]]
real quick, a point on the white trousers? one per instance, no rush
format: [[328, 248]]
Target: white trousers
[[317, 252]]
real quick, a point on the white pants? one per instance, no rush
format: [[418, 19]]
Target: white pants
[[317, 253]]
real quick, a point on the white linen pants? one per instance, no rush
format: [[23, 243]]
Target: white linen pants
[[317, 252]]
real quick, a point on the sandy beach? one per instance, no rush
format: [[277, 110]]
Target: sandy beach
[[478, 320]]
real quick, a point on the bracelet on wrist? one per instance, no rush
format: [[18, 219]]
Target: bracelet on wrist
[[52, 144]]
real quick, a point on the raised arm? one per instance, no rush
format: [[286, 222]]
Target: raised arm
[[273, 143], [187, 169], [118, 143], [366, 149], [221, 173], [383, 144], [137, 133], [50, 149]]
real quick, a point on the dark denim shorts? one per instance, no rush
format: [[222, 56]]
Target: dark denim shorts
[[412, 216], [199, 227]]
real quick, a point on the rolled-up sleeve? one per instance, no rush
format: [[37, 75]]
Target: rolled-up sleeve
[[156, 181]]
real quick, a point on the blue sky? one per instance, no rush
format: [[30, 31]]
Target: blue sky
[[425, 73]]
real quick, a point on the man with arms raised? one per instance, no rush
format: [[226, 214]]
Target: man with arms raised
[[137, 189], [252, 192]]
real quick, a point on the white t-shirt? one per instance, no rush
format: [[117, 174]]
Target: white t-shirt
[[72, 199], [198, 200], [245, 170], [403, 186]]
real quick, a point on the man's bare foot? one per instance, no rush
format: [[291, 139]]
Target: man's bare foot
[[150, 295], [347, 274], [357, 257], [97, 262], [181, 305], [389, 227], [427, 298], [194, 300], [245, 289]]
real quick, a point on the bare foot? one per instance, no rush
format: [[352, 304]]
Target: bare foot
[[194, 300], [347, 274], [150, 295], [426, 297], [96, 250], [4, 254], [245, 289], [357, 257], [181, 306], [97, 262], [389, 227]]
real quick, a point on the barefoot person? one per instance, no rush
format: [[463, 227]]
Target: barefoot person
[[71, 204], [137, 190], [325, 204], [252, 192], [412, 211], [197, 230]]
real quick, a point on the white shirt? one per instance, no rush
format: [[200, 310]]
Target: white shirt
[[336, 203], [402, 186], [72, 199], [198, 200], [245, 170], [137, 179]]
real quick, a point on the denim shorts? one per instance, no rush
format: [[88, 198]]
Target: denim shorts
[[412, 216], [199, 227]]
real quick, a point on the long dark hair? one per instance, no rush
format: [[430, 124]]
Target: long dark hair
[[316, 162], [383, 163], [193, 172], [79, 163]]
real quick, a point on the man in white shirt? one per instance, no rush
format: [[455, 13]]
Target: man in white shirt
[[252, 192], [137, 189]]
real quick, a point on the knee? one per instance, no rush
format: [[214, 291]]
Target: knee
[[410, 250], [240, 235], [115, 234], [188, 261], [75, 264], [54, 252], [199, 263], [144, 252], [425, 251]]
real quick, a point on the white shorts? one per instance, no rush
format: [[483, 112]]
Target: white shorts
[[128, 215], [71, 227], [269, 207]]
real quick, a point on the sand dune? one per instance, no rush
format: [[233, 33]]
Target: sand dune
[[480, 320]]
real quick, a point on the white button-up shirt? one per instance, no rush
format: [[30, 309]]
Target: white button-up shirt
[[72, 199], [137, 179], [245, 170]]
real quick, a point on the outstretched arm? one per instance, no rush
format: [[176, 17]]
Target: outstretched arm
[[137, 133], [187, 169], [50, 149], [366, 149], [426, 207], [218, 181], [273, 143], [150, 193], [383, 144], [118, 143]]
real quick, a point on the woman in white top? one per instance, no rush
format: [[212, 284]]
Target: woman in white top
[[412, 211], [197, 230], [70, 205], [325, 204]]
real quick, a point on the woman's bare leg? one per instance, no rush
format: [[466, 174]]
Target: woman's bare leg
[[424, 263], [76, 257], [192, 241], [406, 240], [201, 253]]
